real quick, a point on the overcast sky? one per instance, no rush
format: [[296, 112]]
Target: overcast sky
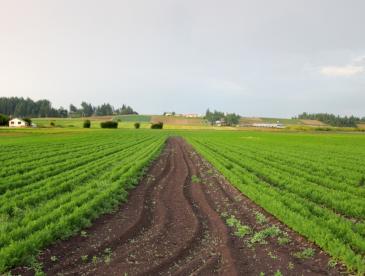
[[256, 58]]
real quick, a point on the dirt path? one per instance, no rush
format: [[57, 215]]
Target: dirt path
[[175, 223]]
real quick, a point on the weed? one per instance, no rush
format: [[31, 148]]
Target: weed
[[107, 255], [83, 234], [242, 230], [272, 255], [283, 240], [84, 258], [278, 273], [54, 258], [260, 237], [260, 218], [332, 263], [224, 214], [290, 266], [262, 274], [305, 254], [95, 260]]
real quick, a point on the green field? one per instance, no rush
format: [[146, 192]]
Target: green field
[[54, 181], [313, 183]]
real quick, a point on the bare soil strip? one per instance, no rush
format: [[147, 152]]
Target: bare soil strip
[[175, 223]]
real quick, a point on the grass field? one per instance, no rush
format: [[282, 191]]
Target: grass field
[[54, 181]]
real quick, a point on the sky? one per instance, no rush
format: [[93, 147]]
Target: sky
[[256, 58]]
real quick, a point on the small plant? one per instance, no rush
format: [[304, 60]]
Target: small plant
[[52, 124], [332, 263], [95, 260], [242, 230], [87, 124], [137, 125], [195, 179], [272, 255], [107, 255], [83, 234], [305, 254], [260, 218], [54, 258], [290, 266], [84, 258], [224, 214], [283, 240], [37, 267], [260, 237], [262, 274], [231, 221], [278, 273]]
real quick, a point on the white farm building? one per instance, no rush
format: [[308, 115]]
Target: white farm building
[[17, 123], [267, 125]]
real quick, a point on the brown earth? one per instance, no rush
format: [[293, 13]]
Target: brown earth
[[178, 120], [174, 223]]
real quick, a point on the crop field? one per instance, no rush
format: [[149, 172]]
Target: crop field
[[53, 183], [313, 183]]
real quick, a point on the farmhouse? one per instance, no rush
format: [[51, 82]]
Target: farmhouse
[[191, 115], [17, 123]]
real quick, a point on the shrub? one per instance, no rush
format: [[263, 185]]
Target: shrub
[[109, 124], [4, 120], [137, 125], [158, 125], [87, 124], [52, 124]]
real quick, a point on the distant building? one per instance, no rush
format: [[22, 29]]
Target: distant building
[[267, 125], [220, 122], [168, 114], [17, 123], [191, 115]]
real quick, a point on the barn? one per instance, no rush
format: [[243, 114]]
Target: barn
[[17, 123]]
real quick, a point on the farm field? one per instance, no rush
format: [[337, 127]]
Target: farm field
[[313, 183], [53, 183], [56, 182]]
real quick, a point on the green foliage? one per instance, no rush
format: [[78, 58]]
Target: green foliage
[[241, 230], [305, 254], [332, 119], [109, 124], [312, 182], [4, 120], [52, 124], [137, 125], [75, 177], [260, 218], [87, 124]]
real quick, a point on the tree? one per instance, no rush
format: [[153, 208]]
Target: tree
[[87, 109], [232, 119], [4, 120], [28, 121]]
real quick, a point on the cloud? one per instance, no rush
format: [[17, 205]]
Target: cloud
[[348, 70], [357, 66]]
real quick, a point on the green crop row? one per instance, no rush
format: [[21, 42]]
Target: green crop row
[[312, 183], [53, 188]]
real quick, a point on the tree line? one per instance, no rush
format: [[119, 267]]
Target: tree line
[[229, 119], [20, 107], [331, 119]]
